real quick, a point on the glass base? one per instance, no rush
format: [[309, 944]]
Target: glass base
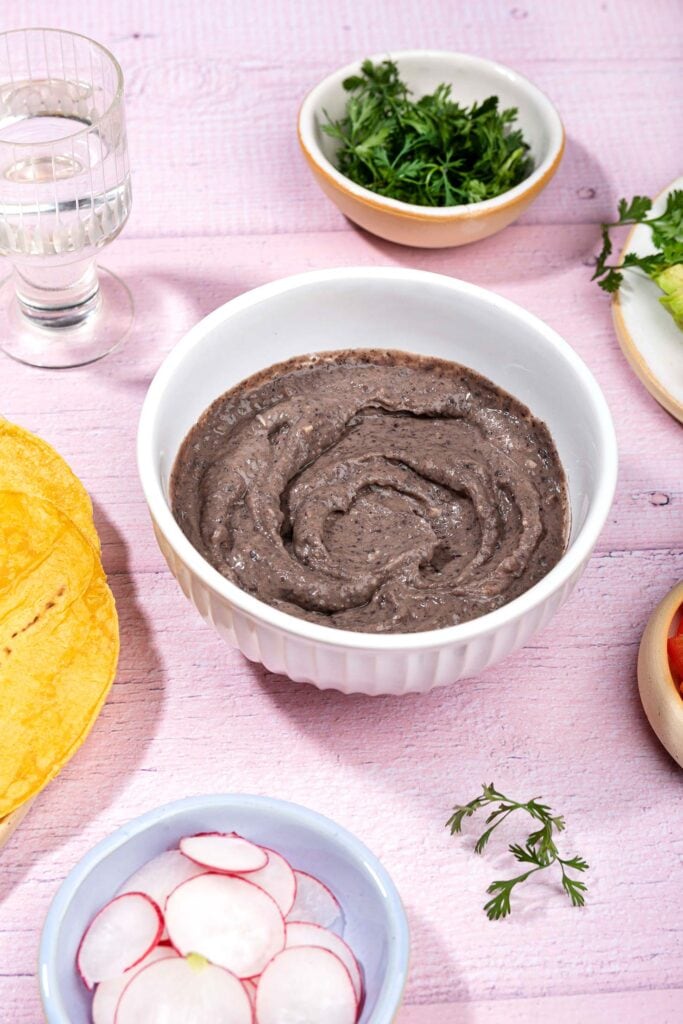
[[62, 347]]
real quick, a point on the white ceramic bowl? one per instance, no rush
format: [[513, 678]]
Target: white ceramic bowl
[[375, 923], [473, 79], [386, 308]]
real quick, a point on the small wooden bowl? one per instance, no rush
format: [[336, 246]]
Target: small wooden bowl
[[662, 702]]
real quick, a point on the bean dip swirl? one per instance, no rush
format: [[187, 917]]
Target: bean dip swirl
[[374, 491]]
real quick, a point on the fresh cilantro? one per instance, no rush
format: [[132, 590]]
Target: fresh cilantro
[[430, 152], [665, 266], [539, 850]]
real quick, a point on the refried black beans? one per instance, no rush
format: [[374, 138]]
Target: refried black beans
[[374, 491]]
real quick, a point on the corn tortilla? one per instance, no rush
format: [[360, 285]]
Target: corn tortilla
[[59, 643], [31, 465]]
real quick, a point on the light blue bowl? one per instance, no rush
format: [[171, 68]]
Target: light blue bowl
[[376, 927]]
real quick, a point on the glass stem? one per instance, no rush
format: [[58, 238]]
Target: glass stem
[[57, 297]]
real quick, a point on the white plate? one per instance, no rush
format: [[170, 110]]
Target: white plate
[[647, 333]]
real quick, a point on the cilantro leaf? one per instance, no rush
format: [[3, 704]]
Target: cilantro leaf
[[574, 890], [635, 211]]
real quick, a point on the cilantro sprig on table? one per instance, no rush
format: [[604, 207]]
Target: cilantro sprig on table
[[665, 266], [539, 851], [430, 152]]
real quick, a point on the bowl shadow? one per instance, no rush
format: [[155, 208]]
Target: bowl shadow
[[90, 781], [488, 262], [167, 304], [406, 725], [427, 946], [347, 710]]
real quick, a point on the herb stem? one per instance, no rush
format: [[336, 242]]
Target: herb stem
[[539, 849]]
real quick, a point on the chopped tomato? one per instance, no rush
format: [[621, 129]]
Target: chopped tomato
[[679, 631], [674, 646]]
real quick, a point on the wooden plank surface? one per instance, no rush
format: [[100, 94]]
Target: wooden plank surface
[[213, 91], [662, 1006], [223, 203]]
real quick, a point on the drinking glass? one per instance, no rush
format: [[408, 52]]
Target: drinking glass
[[64, 195]]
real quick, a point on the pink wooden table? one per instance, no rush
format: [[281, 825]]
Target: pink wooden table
[[224, 202]]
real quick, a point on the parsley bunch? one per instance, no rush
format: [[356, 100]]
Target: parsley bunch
[[431, 152], [665, 266], [539, 850]]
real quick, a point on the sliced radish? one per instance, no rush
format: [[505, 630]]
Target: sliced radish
[[277, 879], [220, 852], [108, 993], [250, 989], [179, 991], [300, 934], [118, 937], [228, 920], [314, 903], [306, 985], [161, 875]]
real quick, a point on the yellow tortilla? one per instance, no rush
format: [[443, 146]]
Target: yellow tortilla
[[31, 465], [59, 643]]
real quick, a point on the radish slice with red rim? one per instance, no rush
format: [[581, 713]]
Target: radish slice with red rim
[[228, 920], [308, 985], [219, 851], [301, 934], [179, 991], [277, 879], [108, 993], [314, 903], [118, 937], [250, 989], [161, 875]]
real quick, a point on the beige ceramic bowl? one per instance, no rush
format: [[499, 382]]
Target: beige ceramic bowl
[[662, 702], [472, 78]]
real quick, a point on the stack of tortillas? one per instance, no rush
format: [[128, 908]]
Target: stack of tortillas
[[59, 640]]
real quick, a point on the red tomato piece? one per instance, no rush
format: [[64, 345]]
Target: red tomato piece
[[674, 646]]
